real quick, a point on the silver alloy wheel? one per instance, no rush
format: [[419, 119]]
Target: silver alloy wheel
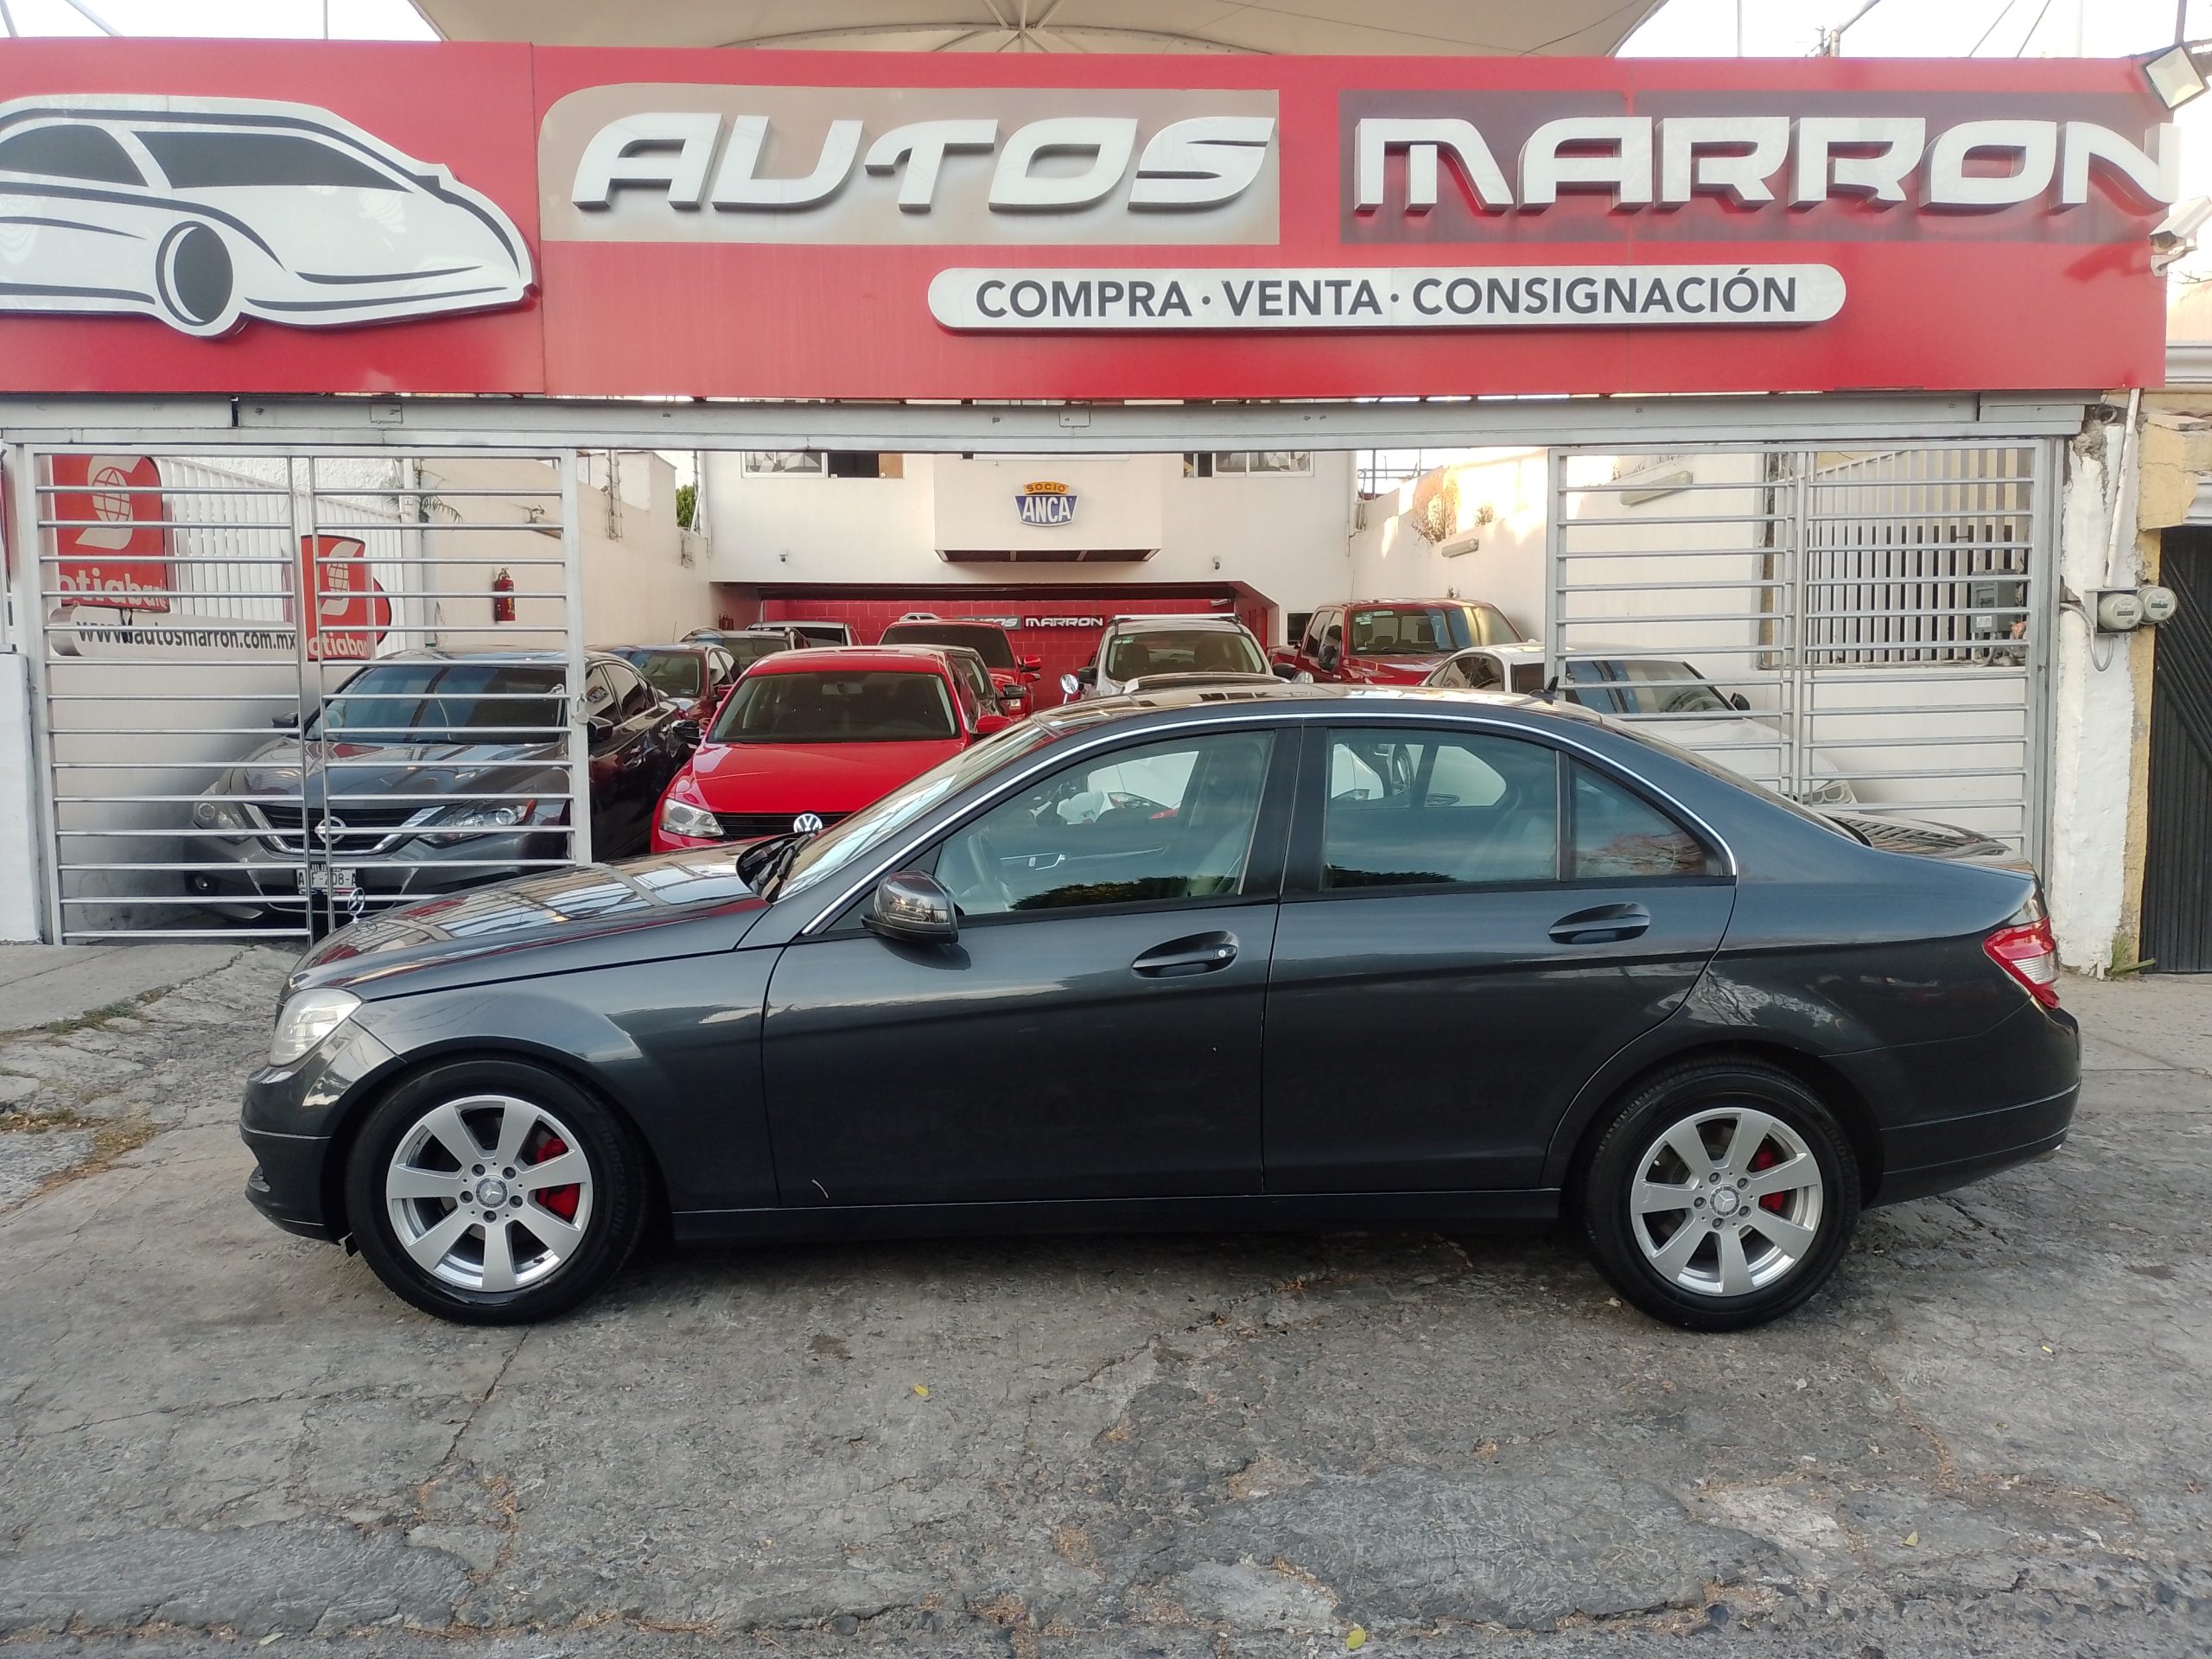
[[489, 1192], [1699, 1206]]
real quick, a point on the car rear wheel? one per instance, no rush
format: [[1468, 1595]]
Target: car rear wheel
[[1721, 1196], [495, 1192], [194, 280]]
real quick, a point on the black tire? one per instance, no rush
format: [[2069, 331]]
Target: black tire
[[1676, 1100], [615, 1201], [194, 280]]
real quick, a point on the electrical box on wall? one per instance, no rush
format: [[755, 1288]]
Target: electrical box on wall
[[2123, 610]]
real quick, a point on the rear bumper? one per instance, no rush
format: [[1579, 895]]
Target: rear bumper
[[1936, 1157]]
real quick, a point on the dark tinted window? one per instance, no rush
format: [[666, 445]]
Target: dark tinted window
[[1426, 630], [203, 161], [1183, 650], [988, 643], [671, 673], [488, 702], [1619, 834], [1167, 821], [632, 696], [871, 706], [746, 649], [1413, 809], [69, 152]]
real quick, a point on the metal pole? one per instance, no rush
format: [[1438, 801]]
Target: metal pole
[[572, 602]]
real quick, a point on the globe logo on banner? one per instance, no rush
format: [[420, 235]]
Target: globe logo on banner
[[1044, 505]]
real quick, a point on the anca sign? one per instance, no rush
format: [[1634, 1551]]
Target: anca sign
[[797, 224], [1046, 505]]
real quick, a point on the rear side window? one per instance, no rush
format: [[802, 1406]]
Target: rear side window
[[1439, 808], [216, 160], [1618, 835], [70, 152]]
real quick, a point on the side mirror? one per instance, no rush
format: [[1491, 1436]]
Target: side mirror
[[912, 909], [1032, 666], [987, 724], [1329, 658], [1737, 700], [1285, 670], [599, 728], [684, 733], [286, 720], [1070, 686]]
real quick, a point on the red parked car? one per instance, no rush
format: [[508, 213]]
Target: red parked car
[[818, 733], [1012, 675], [1390, 641]]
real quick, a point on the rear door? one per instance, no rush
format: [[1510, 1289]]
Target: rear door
[[1472, 922]]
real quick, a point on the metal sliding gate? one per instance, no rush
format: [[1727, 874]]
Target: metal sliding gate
[[211, 764], [1860, 628]]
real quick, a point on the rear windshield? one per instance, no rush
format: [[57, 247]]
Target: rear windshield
[[671, 673], [1635, 686], [988, 643], [1427, 630], [872, 706], [477, 703], [1183, 650], [746, 649]]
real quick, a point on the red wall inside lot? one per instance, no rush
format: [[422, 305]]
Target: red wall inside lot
[[1062, 649]]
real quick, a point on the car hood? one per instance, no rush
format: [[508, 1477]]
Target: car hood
[[1397, 671], [807, 777], [373, 233], [591, 915], [464, 771], [1196, 677], [1925, 838]]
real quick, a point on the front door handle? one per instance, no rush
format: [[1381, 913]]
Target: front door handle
[[1202, 953], [1601, 925]]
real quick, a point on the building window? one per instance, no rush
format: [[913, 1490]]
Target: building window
[[1223, 463], [820, 463], [782, 463]]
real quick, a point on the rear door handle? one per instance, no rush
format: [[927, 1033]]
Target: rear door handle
[[1202, 953], [1601, 925]]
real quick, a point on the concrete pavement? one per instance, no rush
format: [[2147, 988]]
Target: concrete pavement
[[1988, 1436]]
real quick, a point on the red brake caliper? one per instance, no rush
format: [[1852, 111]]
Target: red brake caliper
[[561, 1200], [1766, 1157]]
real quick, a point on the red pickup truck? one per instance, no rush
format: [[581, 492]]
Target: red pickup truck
[[1390, 641]]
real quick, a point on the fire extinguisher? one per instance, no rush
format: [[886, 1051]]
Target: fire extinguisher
[[503, 598]]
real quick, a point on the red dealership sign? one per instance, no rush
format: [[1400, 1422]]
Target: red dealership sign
[[349, 611], [585, 222], [109, 534]]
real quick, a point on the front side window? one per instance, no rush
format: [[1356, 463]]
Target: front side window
[[1618, 835], [1437, 809], [632, 696], [70, 152], [1183, 650], [473, 702], [1426, 630], [868, 706], [1165, 821], [202, 160]]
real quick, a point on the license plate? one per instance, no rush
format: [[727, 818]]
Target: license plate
[[340, 882]]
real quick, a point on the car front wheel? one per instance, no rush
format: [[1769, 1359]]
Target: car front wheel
[[1721, 1196], [495, 1192], [194, 280]]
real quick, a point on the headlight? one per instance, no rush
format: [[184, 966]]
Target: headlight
[[1832, 791], [218, 814], [682, 819], [305, 1020], [485, 815]]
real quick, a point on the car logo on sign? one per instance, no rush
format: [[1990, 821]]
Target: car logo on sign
[[808, 824], [1045, 503]]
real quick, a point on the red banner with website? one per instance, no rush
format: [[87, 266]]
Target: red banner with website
[[583, 222], [110, 532]]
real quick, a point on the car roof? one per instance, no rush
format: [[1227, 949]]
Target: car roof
[[1230, 701], [946, 622], [491, 654], [1408, 604], [690, 647], [1195, 619], [829, 659]]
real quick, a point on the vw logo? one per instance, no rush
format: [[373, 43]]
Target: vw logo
[[808, 824]]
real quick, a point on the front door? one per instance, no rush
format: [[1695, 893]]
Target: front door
[[1472, 923], [1094, 1031], [2177, 898]]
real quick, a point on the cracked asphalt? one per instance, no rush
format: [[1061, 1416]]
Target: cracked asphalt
[[1989, 1436]]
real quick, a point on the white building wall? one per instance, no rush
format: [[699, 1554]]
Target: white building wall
[[1282, 535]]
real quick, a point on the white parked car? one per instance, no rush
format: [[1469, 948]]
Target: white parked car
[[1169, 649], [1683, 706], [202, 212]]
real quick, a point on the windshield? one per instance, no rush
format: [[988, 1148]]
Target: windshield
[[1428, 630], [852, 706], [1183, 650], [671, 673], [987, 642], [473, 702], [843, 841], [747, 649], [1632, 686]]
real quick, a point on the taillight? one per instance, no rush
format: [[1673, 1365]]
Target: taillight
[[2025, 948]]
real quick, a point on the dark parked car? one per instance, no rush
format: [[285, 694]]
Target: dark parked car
[[748, 645], [1012, 676], [1286, 957], [693, 676], [432, 771]]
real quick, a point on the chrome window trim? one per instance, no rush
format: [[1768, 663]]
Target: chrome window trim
[[1052, 754]]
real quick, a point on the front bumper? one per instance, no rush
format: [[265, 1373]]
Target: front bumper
[[294, 1121], [255, 881]]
